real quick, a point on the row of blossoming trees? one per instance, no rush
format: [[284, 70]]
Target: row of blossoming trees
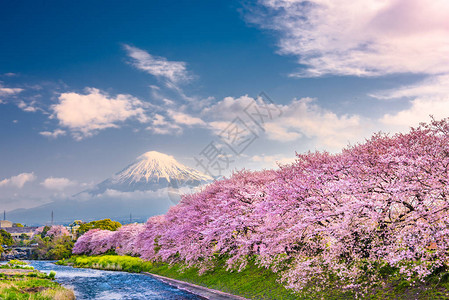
[[384, 201]]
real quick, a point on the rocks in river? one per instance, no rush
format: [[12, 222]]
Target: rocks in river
[[15, 254]]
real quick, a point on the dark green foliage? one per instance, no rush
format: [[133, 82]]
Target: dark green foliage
[[56, 248], [444, 277], [44, 231], [6, 238], [106, 224], [24, 236], [387, 270]]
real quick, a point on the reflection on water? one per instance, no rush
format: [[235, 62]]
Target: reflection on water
[[109, 285]]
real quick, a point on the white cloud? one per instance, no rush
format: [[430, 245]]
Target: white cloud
[[429, 97], [419, 111], [85, 114], [4, 91], [282, 133], [54, 183], [53, 134], [173, 123], [305, 117], [185, 119], [305, 120], [159, 120], [173, 71], [302, 118], [361, 38], [27, 107], [218, 126], [159, 125], [18, 180], [228, 108], [435, 86]]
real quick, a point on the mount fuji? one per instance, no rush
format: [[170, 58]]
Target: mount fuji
[[147, 187], [150, 172]]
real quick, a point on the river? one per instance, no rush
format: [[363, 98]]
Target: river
[[98, 284]]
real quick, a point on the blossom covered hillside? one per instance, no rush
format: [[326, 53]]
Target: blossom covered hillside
[[380, 203]]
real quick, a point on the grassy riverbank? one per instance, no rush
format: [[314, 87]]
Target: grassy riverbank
[[253, 282], [20, 281], [259, 283]]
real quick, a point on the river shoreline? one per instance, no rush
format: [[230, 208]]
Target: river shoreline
[[196, 289], [18, 280], [251, 283], [201, 291], [97, 284]]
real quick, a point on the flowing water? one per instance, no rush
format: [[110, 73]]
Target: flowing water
[[98, 284]]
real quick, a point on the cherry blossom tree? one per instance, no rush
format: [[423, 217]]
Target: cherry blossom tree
[[57, 231], [125, 239], [53, 231]]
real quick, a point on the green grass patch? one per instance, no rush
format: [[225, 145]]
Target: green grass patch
[[19, 281], [109, 262]]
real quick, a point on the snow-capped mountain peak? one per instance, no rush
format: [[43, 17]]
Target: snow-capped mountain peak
[[154, 165], [151, 171]]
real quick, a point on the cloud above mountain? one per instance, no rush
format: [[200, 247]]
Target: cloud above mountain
[[172, 71], [87, 114], [57, 183]]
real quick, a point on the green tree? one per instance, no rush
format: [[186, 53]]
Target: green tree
[[6, 238], [106, 224], [17, 225], [57, 248]]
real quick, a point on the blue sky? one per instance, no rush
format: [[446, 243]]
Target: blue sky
[[87, 86]]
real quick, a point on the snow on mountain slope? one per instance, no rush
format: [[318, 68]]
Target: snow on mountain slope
[[152, 171]]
